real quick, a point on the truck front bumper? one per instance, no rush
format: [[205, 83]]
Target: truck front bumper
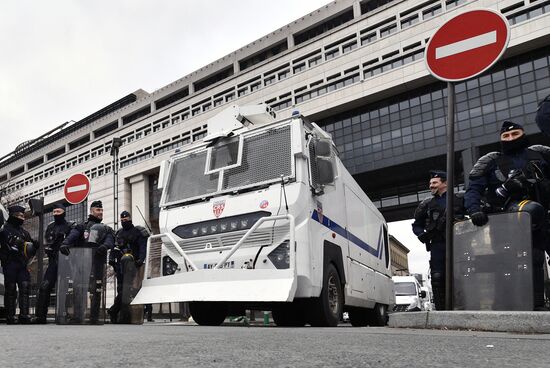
[[218, 285]]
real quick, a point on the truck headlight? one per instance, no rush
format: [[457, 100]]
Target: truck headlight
[[280, 256], [218, 226], [169, 266]]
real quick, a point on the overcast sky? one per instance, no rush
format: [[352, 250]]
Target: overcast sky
[[63, 60]]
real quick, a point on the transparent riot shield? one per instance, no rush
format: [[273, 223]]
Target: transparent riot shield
[[492, 264], [131, 283], [80, 291]]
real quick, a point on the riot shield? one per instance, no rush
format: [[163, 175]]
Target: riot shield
[[131, 283], [492, 264], [80, 287]]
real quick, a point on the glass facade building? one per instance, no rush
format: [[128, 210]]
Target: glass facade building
[[411, 127]]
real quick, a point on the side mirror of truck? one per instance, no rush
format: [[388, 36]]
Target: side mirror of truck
[[326, 171], [163, 173], [323, 148], [422, 294]]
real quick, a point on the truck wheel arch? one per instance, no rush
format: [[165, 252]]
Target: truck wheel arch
[[332, 253]]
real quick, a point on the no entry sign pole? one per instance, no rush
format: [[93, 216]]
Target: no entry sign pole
[[462, 48], [450, 193]]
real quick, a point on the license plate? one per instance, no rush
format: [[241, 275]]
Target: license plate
[[228, 264]]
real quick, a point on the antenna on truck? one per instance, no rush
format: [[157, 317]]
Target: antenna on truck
[[144, 220], [284, 191]]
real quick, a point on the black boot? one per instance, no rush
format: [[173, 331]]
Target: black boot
[[95, 304], [10, 302], [24, 317], [42, 303]]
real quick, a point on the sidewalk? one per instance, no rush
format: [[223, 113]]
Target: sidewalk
[[519, 322]]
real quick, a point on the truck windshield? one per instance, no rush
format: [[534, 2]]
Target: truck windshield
[[405, 288], [265, 157]]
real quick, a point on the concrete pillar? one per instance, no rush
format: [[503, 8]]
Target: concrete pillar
[[236, 67], [139, 188], [357, 9], [290, 41]]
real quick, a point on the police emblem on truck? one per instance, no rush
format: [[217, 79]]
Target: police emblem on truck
[[217, 208]]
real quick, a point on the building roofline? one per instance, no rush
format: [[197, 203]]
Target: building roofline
[[63, 130], [407, 250]]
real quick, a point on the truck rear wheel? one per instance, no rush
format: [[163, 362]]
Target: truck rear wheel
[[378, 316], [327, 309], [289, 315], [208, 313], [359, 317]]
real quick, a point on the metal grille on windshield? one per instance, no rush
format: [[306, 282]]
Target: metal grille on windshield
[[266, 157]]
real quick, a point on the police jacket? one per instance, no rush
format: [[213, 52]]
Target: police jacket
[[55, 234], [133, 241], [430, 217], [16, 244], [494, 169], [79, 235]]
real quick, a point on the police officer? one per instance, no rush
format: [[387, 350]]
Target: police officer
[[429, 227], [56, 232], [79, 236], [131, 246], [514, 179], [16, 249]]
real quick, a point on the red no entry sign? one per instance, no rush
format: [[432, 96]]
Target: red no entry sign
[[467, 45], [77, 188]]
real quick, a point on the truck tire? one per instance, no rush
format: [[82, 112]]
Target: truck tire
[[378, 316], [326, 311], [208, 313], [289, 315], [359, 317]]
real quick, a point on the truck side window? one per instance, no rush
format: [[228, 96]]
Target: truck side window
[[386, 247]]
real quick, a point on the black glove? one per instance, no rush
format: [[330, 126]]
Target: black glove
[[64, 249], [139, 263], [515, 188], [479, 218], [424, 237], [101, 250], [49, 251]]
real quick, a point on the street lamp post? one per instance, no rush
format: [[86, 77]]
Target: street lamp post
[[37, 209], [115, 146]]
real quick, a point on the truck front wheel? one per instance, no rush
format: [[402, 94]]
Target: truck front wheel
[[326, 310], [208, 313]]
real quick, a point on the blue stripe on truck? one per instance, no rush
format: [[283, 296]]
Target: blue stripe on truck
[[333, 226]]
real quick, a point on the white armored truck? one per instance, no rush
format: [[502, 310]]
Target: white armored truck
[[262, 214]]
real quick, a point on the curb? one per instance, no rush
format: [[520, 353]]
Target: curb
[[519, 322]]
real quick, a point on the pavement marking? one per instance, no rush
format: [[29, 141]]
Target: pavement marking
[[466, 45]]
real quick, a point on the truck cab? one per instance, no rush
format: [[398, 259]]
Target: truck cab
[[262, 214]]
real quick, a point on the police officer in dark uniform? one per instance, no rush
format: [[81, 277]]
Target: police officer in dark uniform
[[16, 249], [429, 227], [56, 232], [517, 178], [131, 246], [79, 236]]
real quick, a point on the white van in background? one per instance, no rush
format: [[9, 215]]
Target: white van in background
[[409, 297]]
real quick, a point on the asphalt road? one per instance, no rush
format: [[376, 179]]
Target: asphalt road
[[177, 345]]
